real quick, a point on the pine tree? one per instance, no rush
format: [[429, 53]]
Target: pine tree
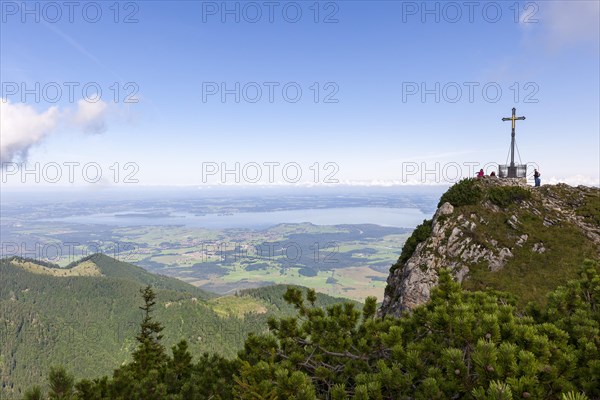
[[150, 353], [179, 368], [61, 384], [35, 393], [460, 344]]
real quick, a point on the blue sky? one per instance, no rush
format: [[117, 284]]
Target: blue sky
[[376, 132]]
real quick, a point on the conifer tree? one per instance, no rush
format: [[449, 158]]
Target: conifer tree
[[150, 353], [179, 368], [461, 344], [35, 393], [61, 384]]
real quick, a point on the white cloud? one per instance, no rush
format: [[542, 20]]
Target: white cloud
[[574, 180], [567, 23], [91, 117], [22, 127]]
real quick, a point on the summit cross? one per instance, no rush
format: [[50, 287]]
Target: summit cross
[[514, 119]]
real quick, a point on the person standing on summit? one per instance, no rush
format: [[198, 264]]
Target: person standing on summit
[[536, 177]]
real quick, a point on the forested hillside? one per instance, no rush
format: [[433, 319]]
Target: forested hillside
[[88, 319], [460, 345]]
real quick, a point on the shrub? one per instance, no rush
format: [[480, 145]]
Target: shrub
[[460, 345], [420, 234], [464, 193], [503, 196]]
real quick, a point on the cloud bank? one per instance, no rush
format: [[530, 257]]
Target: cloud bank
[[22, 127]]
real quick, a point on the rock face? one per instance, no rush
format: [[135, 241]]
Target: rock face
[[489, 232]]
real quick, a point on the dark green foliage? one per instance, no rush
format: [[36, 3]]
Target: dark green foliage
[[153, 375], [61, 384], [459, 345], [113, 268], [466, 192], [503, 196], [38, 262], [35, 393], [151, 353], [89, 323], [212, 377], [575, 309], [274, 295], [421, 233]]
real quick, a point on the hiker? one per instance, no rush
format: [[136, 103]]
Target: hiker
[[493, 174], [536, 177], [480, 174]]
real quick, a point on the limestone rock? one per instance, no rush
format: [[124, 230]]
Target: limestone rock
[[464, 238], [445, 209], [539, 248], [522, 239], [496, 262]]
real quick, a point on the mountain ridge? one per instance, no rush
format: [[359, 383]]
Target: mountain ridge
[[498, 234]]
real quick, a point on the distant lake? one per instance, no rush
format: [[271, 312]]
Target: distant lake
[[393, 217]]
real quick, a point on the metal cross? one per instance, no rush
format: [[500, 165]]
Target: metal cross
[[514, 119]]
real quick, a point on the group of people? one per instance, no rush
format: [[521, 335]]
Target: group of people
[[536, 176], [481, 174]]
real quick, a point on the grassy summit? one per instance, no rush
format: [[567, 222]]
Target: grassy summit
[[503, 235]]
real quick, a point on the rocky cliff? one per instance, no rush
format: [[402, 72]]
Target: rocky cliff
[[499, 234]]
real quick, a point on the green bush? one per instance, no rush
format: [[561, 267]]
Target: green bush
[[420, 234], [503, 196], [464, 193], [460, 345]]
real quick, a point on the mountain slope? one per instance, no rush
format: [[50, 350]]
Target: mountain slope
[[113, 268], [86, 317], [499, 234]]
